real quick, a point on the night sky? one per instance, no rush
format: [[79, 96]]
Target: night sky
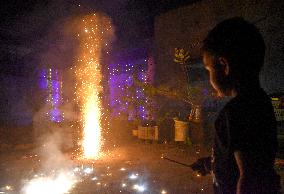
[[134, 19], [26, 25]]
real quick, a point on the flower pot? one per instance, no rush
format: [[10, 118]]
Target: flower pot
[[148, 133], [181, 130], [135, 132]]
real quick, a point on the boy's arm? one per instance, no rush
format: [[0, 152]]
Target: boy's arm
[[245, 181]]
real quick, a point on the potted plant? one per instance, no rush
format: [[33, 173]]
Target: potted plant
[[194, 95], [145, 127]]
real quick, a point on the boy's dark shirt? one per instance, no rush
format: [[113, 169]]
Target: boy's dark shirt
[[247, 124]]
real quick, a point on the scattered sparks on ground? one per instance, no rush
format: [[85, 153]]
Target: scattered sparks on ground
[[94, 178], [140, 188], [133, 176], [77, 169], [60, 184], [8, 187], [88, 170]]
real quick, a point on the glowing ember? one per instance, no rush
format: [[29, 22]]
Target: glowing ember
[[45, 185], [88, 73]]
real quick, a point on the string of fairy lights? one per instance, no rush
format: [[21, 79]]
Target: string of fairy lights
[[121, 79], [51, 81]]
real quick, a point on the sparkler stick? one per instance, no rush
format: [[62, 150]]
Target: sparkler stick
[[194, 166], [174, 161]]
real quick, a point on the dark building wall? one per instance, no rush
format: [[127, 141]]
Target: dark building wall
[[186, 27], [17, 100]]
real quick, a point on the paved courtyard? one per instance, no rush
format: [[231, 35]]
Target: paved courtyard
[[136, 167]]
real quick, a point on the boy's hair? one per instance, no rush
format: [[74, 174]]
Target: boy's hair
[[240, 42]]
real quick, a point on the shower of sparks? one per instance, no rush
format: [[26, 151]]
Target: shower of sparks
[[95, 32]]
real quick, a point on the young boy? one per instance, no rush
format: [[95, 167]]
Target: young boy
[[245, 130]]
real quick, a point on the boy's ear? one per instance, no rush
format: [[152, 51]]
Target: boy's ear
[[225, 65]]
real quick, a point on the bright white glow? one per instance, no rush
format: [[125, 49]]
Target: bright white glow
[[88, 170], [133, 176], [94, 178], [77, 169], [163, 192], [8, 188], [140, 188], [123, 185], [60, 184], [92, 128], [122, 169]]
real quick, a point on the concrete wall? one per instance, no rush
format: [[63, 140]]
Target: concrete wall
[[186, 27]]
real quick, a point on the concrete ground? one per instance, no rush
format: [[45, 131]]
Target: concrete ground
[[133, 168], [136, 167]]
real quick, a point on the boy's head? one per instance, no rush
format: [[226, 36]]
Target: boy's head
[[233, 53]]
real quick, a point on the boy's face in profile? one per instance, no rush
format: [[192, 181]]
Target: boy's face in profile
[[218, 74]]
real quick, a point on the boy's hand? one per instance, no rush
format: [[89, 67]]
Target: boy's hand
[[202, 166]]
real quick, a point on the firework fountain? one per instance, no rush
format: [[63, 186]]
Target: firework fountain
[[95, 32], [94, 35], [88, 170]]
